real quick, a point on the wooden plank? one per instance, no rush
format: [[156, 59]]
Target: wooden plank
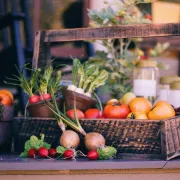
[[41, 55], [123, 31], [95, 171]]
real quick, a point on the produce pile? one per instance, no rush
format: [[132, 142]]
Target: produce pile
[[44, 86]]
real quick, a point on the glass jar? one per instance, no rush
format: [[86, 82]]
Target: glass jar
[[164, 87], [145, 79], [174, 94]]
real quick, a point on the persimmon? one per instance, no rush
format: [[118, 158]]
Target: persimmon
[[161, 110], [5, 99], [2, 91], [140, 104]]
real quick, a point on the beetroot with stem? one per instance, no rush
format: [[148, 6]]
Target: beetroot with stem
[[43, 152], [32, 153]]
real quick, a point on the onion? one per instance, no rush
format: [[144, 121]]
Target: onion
[[72, 87], [79, 90], [69, 139], [93, 141]]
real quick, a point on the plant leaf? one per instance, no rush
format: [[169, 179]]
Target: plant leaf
[[60, 149], [24, 154], [27, 145], [46, 145]]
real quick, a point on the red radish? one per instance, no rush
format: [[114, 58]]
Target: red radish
[[52, 153], [43, 152], [69, 154], [32, 153], [45, 96], [93, 155], [93, 113], [80, 114], [34, 98]]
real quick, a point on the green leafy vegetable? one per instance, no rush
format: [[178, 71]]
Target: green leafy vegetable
[[106, 152], [60, 149], [34, 143], [24, 154], [76, 66]]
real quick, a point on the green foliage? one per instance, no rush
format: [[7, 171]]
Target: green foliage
[[60, 149], [106, 152], [34, 143], [119, 60]]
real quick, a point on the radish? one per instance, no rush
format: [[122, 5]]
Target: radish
[[69, 139], [45, 96], [93, 141], [32, 153], [69, 154], [43, 152], [92, 155], [34, 99], [52, 153]]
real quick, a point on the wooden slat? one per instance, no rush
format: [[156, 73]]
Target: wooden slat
[[95, 171], [123, 31]]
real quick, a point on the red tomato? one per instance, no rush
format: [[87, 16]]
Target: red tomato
[[117, 111], [80, 114], [93, 114]]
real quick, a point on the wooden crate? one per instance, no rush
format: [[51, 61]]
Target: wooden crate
[[133, 139], [168, 139]]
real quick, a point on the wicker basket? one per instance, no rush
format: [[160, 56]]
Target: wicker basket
[[134, 139]]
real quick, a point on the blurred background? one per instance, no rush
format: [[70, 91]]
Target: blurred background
[[20, 19]]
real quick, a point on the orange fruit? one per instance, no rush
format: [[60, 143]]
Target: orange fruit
[[7, 92], [137, 115], [6, 97], [140, 104], [161, 110]]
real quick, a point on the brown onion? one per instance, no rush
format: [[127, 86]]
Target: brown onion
[[93, 141], [69, 139]]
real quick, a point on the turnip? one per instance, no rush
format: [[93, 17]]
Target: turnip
[[79, 90], [87, 94], [72, 87], [69, 139], [94, 140]]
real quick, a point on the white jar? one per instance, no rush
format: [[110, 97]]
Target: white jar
[[164, 87], [174, 94], [145, 79]]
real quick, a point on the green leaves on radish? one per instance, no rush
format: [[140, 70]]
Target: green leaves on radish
[[106, 152]]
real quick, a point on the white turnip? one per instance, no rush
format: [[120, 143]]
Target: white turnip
[[69, 139], [72, 87], [93, 141]]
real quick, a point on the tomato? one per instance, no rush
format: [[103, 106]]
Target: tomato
[[112, 101], [116, 111], [45, 96], [34, 99], [5, 91], [93, 114], [80, 114]]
